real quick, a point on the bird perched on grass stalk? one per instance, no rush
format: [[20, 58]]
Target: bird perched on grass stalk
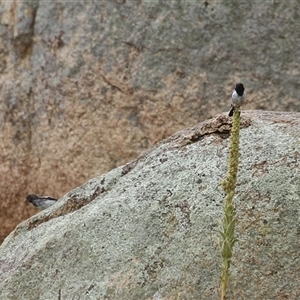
[[238, 97]]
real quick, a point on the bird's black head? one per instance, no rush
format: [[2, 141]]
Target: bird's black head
[[31, 197], [240, 89]]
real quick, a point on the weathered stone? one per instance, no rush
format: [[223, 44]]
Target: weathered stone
[[148, 230], [86, 86]]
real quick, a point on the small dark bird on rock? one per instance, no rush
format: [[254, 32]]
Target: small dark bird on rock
[[41, 202], [238, 97]]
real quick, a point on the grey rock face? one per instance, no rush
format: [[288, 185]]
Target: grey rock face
[[86, 86], [148, 230]]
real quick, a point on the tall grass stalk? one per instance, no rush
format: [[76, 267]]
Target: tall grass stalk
[[229, 184]]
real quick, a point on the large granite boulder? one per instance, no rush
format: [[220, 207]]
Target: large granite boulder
[[149, 229]]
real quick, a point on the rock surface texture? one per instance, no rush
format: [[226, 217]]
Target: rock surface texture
[[148, 229], [86, 86]]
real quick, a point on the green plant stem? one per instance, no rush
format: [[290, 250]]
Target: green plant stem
[[229, 184]]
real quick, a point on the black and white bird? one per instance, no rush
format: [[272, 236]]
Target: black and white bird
[[238, 97], [41, 202]]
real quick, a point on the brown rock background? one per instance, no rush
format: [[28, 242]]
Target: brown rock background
[[87, 86]]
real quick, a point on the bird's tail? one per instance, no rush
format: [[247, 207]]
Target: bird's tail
[[231, 112]]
